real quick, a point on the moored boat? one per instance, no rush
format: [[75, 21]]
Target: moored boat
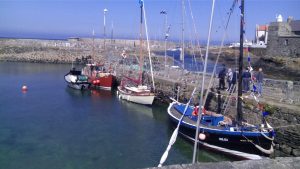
[[218, 132], [76, 80], [131, 89], [139, 94], [99, 77]]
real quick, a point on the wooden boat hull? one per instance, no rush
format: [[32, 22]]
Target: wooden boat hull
[[140, 99], [236, 143]]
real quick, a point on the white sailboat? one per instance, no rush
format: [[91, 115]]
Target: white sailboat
[[138, 93]]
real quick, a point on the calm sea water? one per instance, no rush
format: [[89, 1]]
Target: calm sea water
[[53, 126]]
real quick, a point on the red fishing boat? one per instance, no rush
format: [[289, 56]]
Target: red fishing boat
[[99, 77]]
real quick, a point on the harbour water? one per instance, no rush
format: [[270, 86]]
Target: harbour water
[[53, 126]]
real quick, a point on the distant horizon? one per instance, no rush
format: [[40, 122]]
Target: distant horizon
[[61, 19], [202, 42]]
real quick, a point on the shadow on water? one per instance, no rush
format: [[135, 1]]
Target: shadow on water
[[77, 93], [132, 107]]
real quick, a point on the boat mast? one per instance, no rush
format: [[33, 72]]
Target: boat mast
[[182, 35], [93, 49], [203, 79], [239, 105], [141, 43]]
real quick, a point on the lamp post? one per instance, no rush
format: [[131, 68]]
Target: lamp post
[[104, 24], [166, 34]]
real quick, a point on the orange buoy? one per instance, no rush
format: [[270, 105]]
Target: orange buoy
[[24, 88]]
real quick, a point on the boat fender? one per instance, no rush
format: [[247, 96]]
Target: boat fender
[[202, 136]]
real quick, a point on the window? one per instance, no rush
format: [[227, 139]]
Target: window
[[286, 42]]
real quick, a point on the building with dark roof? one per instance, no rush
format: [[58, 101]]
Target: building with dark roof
[[284, 38]]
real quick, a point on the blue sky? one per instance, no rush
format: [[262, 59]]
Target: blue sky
[[65, 18]]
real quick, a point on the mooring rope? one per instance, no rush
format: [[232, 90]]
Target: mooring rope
[[270, 151]]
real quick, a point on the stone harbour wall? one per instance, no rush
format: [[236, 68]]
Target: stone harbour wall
[[277, 163]]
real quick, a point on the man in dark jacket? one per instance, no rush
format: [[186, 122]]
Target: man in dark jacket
[[246, 80], [222, 75]]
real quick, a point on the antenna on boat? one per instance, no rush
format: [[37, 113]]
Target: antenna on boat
[[203, 78], [239, 104]]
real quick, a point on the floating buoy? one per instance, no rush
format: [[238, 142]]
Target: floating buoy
[[24, 88], [202, 136]]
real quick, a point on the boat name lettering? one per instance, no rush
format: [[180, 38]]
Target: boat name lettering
[[223, 139]]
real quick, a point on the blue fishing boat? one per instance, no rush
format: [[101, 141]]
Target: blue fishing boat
[[219, 132]]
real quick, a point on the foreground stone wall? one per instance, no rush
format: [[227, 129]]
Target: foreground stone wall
[[277, 163]]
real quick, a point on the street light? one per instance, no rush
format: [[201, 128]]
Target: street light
[[104, 23], [166, 34]]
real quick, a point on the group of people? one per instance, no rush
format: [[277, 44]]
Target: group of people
[[230, 76], [247, 77]]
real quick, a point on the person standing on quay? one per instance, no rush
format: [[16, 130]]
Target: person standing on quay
[[246, 80], [222, 75], [229, 78], [259, 77]]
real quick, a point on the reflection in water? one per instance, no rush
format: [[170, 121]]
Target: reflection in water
[[107, 94], [77, 93], [133, 107]]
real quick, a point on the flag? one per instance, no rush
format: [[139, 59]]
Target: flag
[[254, 88], [265, 113]]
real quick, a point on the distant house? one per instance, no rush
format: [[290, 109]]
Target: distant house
[[284, 38]]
